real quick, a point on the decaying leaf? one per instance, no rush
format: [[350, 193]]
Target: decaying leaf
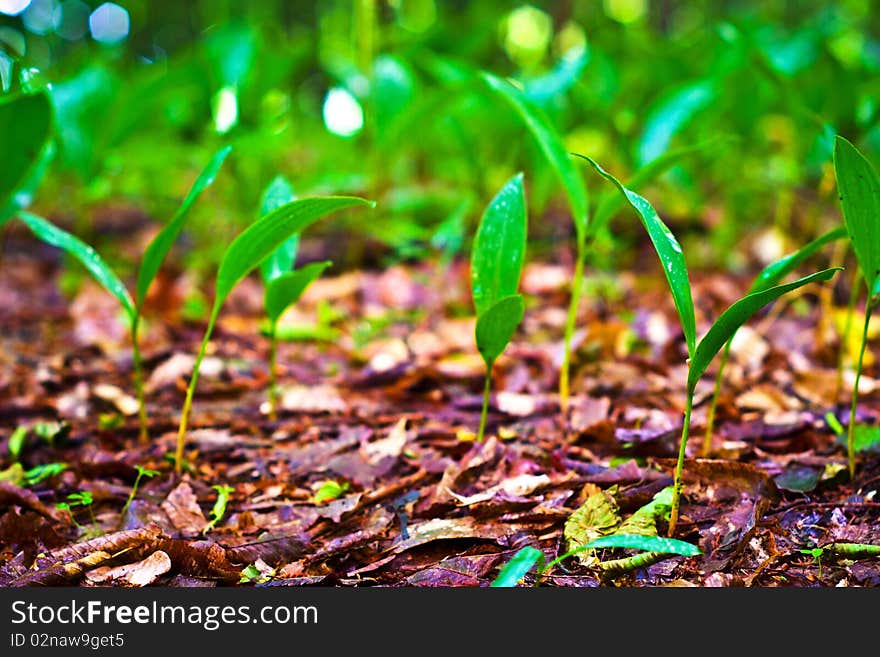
[[597, 516], [182, 509], [139, 573]]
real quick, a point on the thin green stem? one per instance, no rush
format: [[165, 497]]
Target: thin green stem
[[138, 374], [850, 430], [577, 285], [713, 403], [190, 392], [487, 389], [679, 466], [273, 373], [137, 481], [847, 327]]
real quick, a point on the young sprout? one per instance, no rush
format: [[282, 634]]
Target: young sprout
[[141, 473], [767, 278], [152, 260], [859, 186], [219, 508], [699, 355], [283, 285], [496, 265], [253, 245], [84, 499]]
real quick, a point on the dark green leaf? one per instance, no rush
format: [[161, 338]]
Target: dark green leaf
[[550, 144], [496, 326], [647, 543], [25, 131], [738, 314], [859, 188], [797, 478], [520, 564], [267, 233], [278, 193], [499, 246], [160, 246], [776, 271], [90, 259], [286, 289], [669, 251], [866, 438]]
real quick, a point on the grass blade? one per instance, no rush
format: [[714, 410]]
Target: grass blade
[[285, 289], [90, 259], [160, 246], [776, 271], [738, 314], [669, 251], [515, 569], [499, 246], [550, 144], [859, 187], [496, 326], [647, 543]]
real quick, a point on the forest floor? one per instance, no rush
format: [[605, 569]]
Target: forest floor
[[381, 392]]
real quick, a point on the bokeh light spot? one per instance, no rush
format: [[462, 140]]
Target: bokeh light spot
[[343, 115], [13, 7], [109, 23]]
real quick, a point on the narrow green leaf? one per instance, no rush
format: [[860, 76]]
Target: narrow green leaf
[[550, 144], [25, 133], [496, 326], [267, 233], [859, 187], [515, 569], [277, 193], [670, 115], [738, 314], [286, 289], [549, 86], [647, 543], [669, 251], [16, 442], [90, 259], [158, 249], [776, 271], [499, 246]]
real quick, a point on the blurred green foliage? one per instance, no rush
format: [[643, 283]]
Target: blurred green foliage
[[368, 97]]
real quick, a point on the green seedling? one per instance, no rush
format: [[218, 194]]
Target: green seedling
[[40, 473], [141, 473], [699, 355], [152, 260], [83, 499], [219, 508], [496, 264], [330, 490], [816, 553], [283, 285], [859, 187], [16, 442], [557, 156], [654, 548], [767, 278], [852, 551], [252, 246]]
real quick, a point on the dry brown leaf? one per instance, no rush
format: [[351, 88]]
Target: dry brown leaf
[[182, 509], [139, 573], [313, 399], [124, 403]]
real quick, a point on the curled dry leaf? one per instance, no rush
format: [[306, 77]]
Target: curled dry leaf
[[124, 403], [447, 528], [139, 573], [184, 512]]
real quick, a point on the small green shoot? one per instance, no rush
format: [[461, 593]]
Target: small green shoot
[[816, 553], [83, 499], [141, 473], [219, 508], [245, 253], [859, 186], [40, 473], [553, 149], [284, 286], [767, 278], [16, 442], [329, 490], [699, 355], [496, 266]]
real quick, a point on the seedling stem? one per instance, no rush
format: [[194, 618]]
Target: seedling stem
[[679, 466], [850, 430], [487, 388]]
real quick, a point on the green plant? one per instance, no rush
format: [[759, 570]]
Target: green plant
[[699, 355], [283, 285], [219, 508], [496, 265], [859, 187], [83, 499], [244, 254], [16, 442], [141, 473], [152, 260], [767, 278], [329, 490]]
